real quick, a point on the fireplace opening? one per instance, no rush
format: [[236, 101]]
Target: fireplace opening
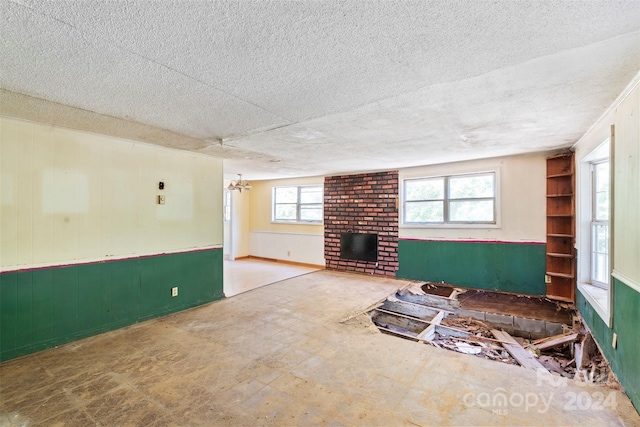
[[359, 246]]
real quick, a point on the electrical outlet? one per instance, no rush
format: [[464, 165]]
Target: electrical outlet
[[547, 279], [614, 342], [174, 291], [288, 253]]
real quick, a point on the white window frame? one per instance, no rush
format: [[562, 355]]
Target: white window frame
[[597, 294], [594, 224], [298, 204], [453, 224]]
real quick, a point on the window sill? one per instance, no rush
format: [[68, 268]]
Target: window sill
[[492, 226], [297, 223], [599, 300]]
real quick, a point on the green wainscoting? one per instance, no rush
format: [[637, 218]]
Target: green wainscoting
[[625, 358], [43, 308], [509, 267]]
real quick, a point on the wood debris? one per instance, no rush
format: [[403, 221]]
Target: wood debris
[[524, 357], [430, 320]]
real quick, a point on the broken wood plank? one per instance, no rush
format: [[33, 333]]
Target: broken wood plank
[[410, 325], [417, 319], [433, 301], [584, 352], [522, 356], [556, 341], [430, 331], [456, 292], [391, 331], [545, 339], [447, 331], [477, 339], [414, 289], [410, 309]]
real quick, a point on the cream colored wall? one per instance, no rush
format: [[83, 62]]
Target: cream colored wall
[[261, 206], [522, 193], [626, 183], [241, 209], [626, 251], [302, 243], [70, 196]]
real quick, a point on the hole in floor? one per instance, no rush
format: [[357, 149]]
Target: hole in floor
[[534, 332]]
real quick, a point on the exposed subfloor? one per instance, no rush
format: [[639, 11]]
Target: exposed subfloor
[[278, 355], [531, 307]]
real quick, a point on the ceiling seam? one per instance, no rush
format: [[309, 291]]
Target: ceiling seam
[[151, 60]]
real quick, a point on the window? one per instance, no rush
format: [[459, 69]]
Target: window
[[298, 204], [456, 199], [600, 224], [592, 226]]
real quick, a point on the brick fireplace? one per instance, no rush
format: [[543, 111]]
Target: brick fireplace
[[364, 203]]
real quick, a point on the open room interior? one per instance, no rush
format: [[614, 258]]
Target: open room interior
[[320, 213]]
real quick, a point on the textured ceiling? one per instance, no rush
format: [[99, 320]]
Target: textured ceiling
[[283, 88]]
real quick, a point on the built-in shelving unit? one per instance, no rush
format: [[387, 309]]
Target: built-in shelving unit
[[561, 259]]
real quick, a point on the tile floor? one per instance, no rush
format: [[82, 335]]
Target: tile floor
[[250, 273], [279, 356]]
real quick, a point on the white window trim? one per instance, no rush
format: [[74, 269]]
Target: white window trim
[[591, 292], [595, 222], [294, 222], [498, 216]]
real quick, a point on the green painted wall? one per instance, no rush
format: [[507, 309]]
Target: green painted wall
[[625, 358], [43, 308], [509, 267]]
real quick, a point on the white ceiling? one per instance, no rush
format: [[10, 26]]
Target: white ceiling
[[284, 88]]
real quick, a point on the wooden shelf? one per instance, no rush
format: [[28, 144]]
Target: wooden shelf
[[561, 262], [566, 276], [557, 255]]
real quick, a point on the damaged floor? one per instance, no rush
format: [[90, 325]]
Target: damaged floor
[[280, 355], [529, 331]]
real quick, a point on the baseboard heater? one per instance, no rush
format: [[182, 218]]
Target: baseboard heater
[[359, 246]]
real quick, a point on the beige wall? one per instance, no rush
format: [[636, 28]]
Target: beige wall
[[625, 116], [302, 243], [522, 214], [70, 196], [261, 206], [240, 228], [522, 192], [626, 252]]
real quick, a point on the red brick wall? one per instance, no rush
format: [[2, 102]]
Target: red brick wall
[[363, 203]]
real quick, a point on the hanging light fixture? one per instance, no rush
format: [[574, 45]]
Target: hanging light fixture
[[240, 184]]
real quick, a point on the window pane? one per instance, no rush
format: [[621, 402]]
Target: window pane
[[471, 211], [471, 187], [311, 213], [601, 196], [602, 206], [286, 212], [424, 212], [602, 174], [424, 189], [600, 253], [310, 194], [286, 195]]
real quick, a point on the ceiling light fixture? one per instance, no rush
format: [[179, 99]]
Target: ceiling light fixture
[[240, 184]]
